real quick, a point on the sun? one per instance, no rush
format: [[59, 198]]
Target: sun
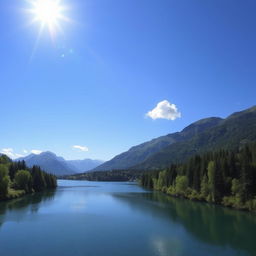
[[49, 13]]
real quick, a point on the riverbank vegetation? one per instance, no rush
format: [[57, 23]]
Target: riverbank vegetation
[[16, 179], [115, 175], [223, 177]]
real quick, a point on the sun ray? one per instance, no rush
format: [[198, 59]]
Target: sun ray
[[36, 43], [49, 14]]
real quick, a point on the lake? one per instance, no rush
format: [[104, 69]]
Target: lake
[[119, 219]]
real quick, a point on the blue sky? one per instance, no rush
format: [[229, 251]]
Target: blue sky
[[93, 84]]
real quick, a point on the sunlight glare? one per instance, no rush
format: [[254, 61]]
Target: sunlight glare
[[49, 13]]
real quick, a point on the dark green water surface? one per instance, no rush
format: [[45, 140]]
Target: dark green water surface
[[84, 218]]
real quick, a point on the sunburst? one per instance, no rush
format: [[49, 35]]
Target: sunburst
[[48, 13]]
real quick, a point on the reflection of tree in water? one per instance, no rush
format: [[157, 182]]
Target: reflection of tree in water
[[16, 209], [210, 223]]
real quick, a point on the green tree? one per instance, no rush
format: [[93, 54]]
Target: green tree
[[23, 180], [4, 181], [162, 180], [50, 180], [211, 174], [12, 170], [205, 190], [223, 177], [38, 179], [236, 187], [247, 174], [219, 185], [196, 173], [181, 184], [5, 159]]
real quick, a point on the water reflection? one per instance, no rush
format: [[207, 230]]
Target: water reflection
[[82, 215], [211, 224], [17, 209]]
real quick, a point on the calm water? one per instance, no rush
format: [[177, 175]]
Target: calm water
[[118, 219]]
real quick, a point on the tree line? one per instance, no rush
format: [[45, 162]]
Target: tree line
[[223, 177], [114, 175], [17, 179]]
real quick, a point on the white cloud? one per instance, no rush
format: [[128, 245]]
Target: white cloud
[[36, 151], [10, 152], [164, 110], [82, 148]]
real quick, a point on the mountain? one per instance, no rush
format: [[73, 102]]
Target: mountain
[[49, 162], [206, 134], [84, 165], [140, 153], [232, 132], [56, 165]]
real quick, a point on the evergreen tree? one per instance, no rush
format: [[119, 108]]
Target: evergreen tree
[[4, 181], [38, 179], [222, 177]]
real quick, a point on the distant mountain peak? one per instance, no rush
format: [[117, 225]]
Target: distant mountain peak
[[57, 165], [47, 153]]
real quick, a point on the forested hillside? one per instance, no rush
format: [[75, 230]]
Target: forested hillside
[[142, 152], [231, 133], [207, 134], [16, 179], [226, 177]]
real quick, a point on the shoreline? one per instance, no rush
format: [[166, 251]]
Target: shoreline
[[203, 201], [17, 194]]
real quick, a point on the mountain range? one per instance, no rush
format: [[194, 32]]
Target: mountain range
[[207, 134], [204, 135], [56, 165]]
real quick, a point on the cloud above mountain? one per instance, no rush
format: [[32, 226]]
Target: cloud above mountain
[[36, 151], [10, 152], [164, 110], [81, 148]]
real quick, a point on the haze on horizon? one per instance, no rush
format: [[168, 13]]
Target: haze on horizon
[[96, 78]]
